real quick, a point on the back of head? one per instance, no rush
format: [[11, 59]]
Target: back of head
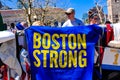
[[107, 22], [21, 25], [25, 24], [37, 23], [12, 25]]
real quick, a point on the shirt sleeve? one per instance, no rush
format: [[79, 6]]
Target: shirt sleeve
[[80, 23], [65, 24]]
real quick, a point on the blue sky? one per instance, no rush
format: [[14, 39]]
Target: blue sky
[[81, 6]]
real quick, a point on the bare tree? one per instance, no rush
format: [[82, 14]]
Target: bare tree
[[27, 9], [47, 11], [43, 10], [99, 6]]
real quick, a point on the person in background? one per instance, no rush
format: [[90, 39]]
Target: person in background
[[21, 25], [12, 27], [108, 22], [99, 49], [72, 21], [38, 23], [109, 32], [93, 18], [21, 47]]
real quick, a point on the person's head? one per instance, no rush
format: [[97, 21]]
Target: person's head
[[21, 25], [70, 12], [37, 23], [24, 24], [12, 25], [94, 18], [107, 22]]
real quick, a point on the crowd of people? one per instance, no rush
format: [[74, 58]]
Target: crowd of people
[[71, 22]]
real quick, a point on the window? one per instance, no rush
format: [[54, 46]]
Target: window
[[116, 20], [116, 16], [116, 0]]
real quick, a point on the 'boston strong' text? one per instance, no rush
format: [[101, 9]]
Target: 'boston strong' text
[[72, 55]]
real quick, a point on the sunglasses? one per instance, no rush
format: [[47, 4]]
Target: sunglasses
[[68, 13], [96, 18]]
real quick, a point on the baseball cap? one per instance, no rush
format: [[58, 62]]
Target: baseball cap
[[69, 10], [19, 26]]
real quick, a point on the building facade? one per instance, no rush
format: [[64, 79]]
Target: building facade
[[12, 16], [52, 15], [113, 10]]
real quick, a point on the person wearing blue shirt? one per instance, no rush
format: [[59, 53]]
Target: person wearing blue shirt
[[72, 21]]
